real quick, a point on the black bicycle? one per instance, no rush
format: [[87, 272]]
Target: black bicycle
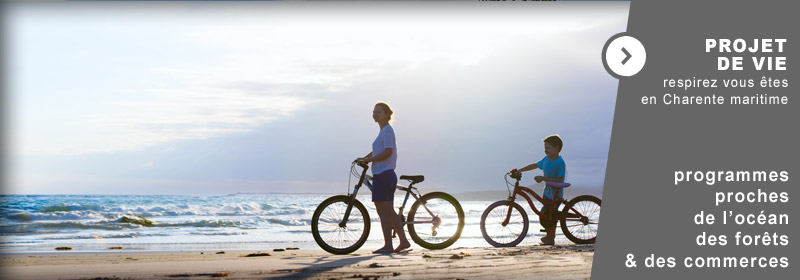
[[341, 224]]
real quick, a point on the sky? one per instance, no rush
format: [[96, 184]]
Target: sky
[[217, 98]]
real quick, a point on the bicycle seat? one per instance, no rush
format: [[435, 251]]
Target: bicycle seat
[[413, 178], [558, 185]]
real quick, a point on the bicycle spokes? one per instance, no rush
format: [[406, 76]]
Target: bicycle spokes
[[504, 228], [504, 224], [341, 224], [581, 219], [429, 227], [436, 220], [332, 234]]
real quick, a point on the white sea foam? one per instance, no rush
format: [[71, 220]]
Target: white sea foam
[[92, 222]]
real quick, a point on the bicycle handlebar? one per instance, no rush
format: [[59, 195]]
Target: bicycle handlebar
[[361, 163]]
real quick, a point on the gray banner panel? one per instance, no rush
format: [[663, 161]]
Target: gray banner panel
[[644, 212]]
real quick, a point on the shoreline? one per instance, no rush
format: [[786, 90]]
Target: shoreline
[[562, 261]]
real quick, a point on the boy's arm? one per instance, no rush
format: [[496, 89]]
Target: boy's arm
[[539, 179], [529, 167]]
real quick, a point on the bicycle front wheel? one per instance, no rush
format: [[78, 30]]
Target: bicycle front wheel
[[495, 229], [579, 221], [337, 238], [437, 224]]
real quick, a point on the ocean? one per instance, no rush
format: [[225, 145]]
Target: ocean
[[93, 223]]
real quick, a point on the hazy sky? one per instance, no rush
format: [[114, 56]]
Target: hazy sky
[[141, 98]]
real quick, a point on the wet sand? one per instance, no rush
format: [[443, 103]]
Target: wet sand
[[564, 261]]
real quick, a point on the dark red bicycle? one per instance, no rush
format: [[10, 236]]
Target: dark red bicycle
[[505, 223]]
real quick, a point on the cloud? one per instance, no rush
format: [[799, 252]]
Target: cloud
[[274, 102], [161, 115]]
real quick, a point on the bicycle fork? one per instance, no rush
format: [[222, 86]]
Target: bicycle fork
[[511, 198], [350, 203], [510, 207]]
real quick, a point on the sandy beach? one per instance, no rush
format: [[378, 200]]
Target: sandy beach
[[564, 261]]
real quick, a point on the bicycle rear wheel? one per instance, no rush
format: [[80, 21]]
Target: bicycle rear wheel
[[334, 238], [504, 235], [579, 221], [447, 214]]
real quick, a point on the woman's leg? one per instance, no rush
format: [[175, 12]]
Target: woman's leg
[[386, 225], [397, 225]]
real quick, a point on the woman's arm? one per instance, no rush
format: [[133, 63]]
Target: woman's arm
[[386, 153], [365, 157]]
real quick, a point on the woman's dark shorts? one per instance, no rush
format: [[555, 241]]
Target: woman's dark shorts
[[383, 186]]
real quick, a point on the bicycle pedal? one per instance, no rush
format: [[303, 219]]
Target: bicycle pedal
[[542, 230]]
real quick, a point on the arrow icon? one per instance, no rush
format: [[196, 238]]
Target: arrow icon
[[627, 55], [613, 60]]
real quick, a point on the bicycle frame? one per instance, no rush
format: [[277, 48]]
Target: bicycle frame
[[364, 179], [522, 191]]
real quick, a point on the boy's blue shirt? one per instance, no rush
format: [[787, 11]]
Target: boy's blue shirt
[[553, 169]]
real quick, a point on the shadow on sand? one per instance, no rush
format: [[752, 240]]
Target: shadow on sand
[[320, 266]]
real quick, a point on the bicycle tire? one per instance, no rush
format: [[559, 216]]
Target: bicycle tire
[[334, 239], [504, 236], [581, 232], [441, 204]]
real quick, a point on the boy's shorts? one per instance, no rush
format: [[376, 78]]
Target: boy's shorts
[[550, 218], [384, 185]]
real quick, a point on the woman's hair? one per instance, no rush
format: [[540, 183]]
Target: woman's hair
[[555, 141], [385, 108]]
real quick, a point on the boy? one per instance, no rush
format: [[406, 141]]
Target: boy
[[554, 170]]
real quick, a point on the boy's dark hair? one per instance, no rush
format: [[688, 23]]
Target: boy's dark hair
[[555, 141]]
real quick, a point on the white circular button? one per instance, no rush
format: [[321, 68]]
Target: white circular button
[[624, 56]]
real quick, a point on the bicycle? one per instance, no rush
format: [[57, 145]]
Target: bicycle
[[505, 223], [435, 220]]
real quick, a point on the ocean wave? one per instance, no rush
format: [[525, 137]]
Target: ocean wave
[[49, 227], [289, 222], [68, 208], [116, 225], [106, 236], [220, 233], [92, 211], [22, 217], [178, 219], [72, 215], [289, 212], [200, 223]]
